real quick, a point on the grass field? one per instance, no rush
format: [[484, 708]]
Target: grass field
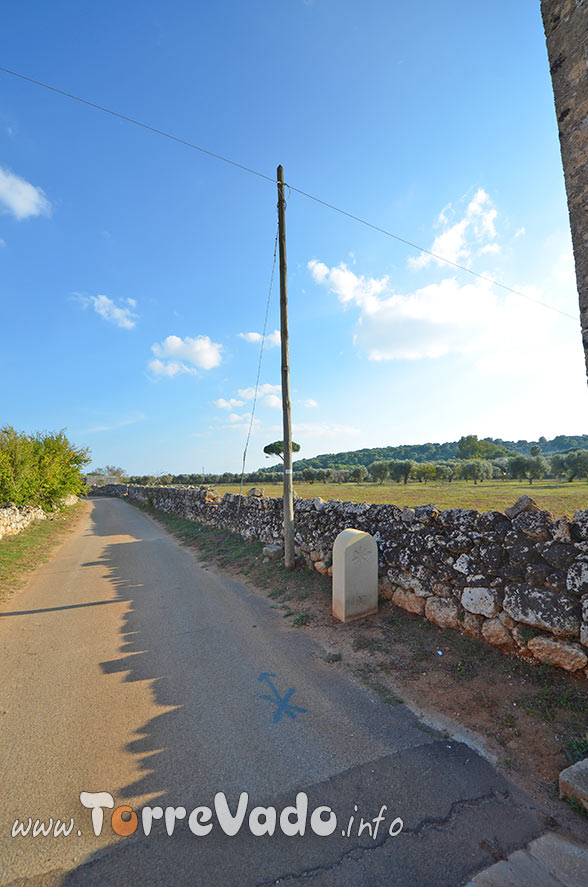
[[558, 497]]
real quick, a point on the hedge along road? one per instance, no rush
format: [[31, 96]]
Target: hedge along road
[[128, 669]]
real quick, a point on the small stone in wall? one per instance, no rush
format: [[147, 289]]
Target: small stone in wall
[[564, 655], [584, 622], [442, 612], [321, 567], [470, 624], [409, 601], [273, 552], [506, 620], [462, 564], [496, 634], [536, 525], [562, 530], [559, 554], [577, 578], [405, 579], [480, 600], [523, 503]]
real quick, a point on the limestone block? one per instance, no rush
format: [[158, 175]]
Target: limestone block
[[442, 612], [564, 655], [577, 578], [409, 601], [273, 552], [524, 503], [480, 600], [541, 608], [573, 782], [584, 623], [507, 620], [355, 575], [471, 624], [496, 634]]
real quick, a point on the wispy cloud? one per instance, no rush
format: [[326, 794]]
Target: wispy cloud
[[309, 402], [223, 404], [95, 429], [120, 315], [175, 356], [457, 241], [265, 389], [21, 199], [272, 340]]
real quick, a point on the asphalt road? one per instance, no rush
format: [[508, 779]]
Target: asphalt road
[[127, 668]]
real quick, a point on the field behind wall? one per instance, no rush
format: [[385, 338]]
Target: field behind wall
[[558, 497]]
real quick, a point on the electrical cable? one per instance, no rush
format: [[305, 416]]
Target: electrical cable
[[263, 335], [318, 200]]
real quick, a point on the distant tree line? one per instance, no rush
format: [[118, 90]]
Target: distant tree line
[[468, 447], [569, 466], [39, 469]]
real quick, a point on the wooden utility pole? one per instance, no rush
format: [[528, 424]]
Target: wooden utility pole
[[566, 26], [289, 558]]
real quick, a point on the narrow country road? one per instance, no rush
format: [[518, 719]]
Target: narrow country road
[[128, 668]]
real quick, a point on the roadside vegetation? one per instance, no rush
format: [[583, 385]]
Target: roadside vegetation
[[39, 469], [24, 552]]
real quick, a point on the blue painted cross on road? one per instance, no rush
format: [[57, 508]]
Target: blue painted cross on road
[[282, 703]]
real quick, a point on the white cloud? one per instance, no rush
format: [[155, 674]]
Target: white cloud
[[272, 340], [249, 393], [170, 368], [309, 402], [489, 249], [447, 317], [120, 316], [20, 198], [272, 400], [228, 404], [520, 232], [175, 356], [347, 285], [456, 242]]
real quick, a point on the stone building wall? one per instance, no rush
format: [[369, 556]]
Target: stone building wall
[[566, 33], [14, 518], [518, 580]]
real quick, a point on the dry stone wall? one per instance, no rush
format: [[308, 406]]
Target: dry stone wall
[[518, 580], [14, 518]]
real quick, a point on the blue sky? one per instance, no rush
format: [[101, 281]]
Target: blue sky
[[134, 270]]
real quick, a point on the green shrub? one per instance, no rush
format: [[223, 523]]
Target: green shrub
[[39, 469]]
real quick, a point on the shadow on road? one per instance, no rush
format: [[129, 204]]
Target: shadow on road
[[213, 734]]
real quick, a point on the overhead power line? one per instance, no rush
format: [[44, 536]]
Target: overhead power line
[[302, 193]]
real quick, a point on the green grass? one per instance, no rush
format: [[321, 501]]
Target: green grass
[[558, 497], [24, 552]]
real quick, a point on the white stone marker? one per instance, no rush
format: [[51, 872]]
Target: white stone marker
[[355, 575]]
